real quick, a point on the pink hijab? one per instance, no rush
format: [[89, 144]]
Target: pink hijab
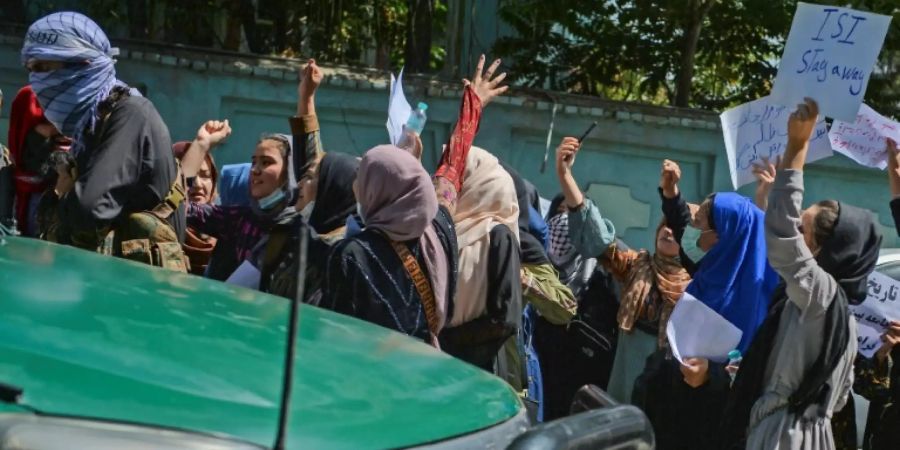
[[396, 196]]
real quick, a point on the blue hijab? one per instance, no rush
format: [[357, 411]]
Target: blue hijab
[[70, 95], [234, 185], [735, 278]]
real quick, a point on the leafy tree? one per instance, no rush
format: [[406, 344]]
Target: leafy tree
[[701, 53]]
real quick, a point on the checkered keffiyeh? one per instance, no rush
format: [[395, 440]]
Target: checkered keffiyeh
[[561, 248]]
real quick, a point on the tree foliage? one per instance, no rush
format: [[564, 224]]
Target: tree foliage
[[640, 50]]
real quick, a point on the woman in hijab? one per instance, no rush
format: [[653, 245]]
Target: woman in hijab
[[32, 138], [371, 275], [241, 231], [199, 247], [72, 71], [325, 201], [723, 247], [400, 271], [792, 380]]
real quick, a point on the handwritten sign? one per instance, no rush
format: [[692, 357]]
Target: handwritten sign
[[829, 56], [864, 140], [758, 130], [881, 306]]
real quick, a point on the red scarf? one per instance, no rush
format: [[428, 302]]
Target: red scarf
[[26, 114]]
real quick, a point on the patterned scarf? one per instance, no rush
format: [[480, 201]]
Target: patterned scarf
[[70, 95], [648, 272]]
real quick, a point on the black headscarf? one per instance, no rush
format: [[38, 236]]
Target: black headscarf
[[532, 249], [334, 194], [554, 206], [849, 255]]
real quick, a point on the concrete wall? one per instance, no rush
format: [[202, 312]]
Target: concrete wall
[[619, 167]]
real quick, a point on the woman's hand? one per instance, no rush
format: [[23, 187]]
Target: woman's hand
[[891, 337], [484, 83], [65, 180], [213, 132], [765, 177], [695, 371], [310, 79], [893, 166], [801, 125], [565, 155], [669, 177]]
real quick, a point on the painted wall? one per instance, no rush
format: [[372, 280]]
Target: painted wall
[[619, 167]]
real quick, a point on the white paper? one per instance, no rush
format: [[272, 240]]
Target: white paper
[[246, 275], [868, 340], [399, 109], [829, 56], [697, 331], [864, 140], [758, 130]]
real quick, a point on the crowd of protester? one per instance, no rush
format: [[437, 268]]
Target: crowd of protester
[[463, 260]]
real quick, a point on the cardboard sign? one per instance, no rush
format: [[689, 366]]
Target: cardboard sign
[[758, 130], [865, 139], [697, 331], [829, 56]]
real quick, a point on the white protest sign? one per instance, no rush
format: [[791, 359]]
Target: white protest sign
[[864, 140], [881, 306], [868, 340], [758, 130], [697, 331], [398, 109], [829, 56]]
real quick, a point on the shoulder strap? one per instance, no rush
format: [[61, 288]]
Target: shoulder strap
[[423, 286], [174, 197]]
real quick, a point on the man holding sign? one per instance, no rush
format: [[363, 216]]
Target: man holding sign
[[829, 56]]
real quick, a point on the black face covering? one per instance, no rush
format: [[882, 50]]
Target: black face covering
[[334, 192], [37, 151]]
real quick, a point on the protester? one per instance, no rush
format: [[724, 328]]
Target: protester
[[325, 201], [32, 139], [199, 247], [241, 231], [791, 380], [723, 247], [379, 274]]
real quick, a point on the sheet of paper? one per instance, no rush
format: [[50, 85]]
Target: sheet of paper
[[829, 56], [864, 139], [697, 331], [246, 275], [398, 109], [757, 130], [868, 340]]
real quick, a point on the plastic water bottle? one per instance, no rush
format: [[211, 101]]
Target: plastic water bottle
[[734, 361], [413, 127]]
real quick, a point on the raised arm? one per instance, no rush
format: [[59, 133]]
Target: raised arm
[[765, 178], [476, 95], [675, 209], [589, 232], [808, 285], [305, 124], [210, 134]]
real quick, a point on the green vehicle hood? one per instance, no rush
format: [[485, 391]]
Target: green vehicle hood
[[93, 336]]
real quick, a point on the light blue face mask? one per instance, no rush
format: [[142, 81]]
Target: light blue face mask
[[271, 200], [689, 243]]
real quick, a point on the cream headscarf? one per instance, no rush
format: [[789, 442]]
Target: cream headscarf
[[488, 198]]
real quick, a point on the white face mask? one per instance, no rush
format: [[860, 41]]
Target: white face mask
[[307, 211], [271, 200]]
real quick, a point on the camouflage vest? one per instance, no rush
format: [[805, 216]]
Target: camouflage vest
[[147, 236]]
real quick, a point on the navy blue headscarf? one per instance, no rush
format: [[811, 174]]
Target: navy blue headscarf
[[735, 278]]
